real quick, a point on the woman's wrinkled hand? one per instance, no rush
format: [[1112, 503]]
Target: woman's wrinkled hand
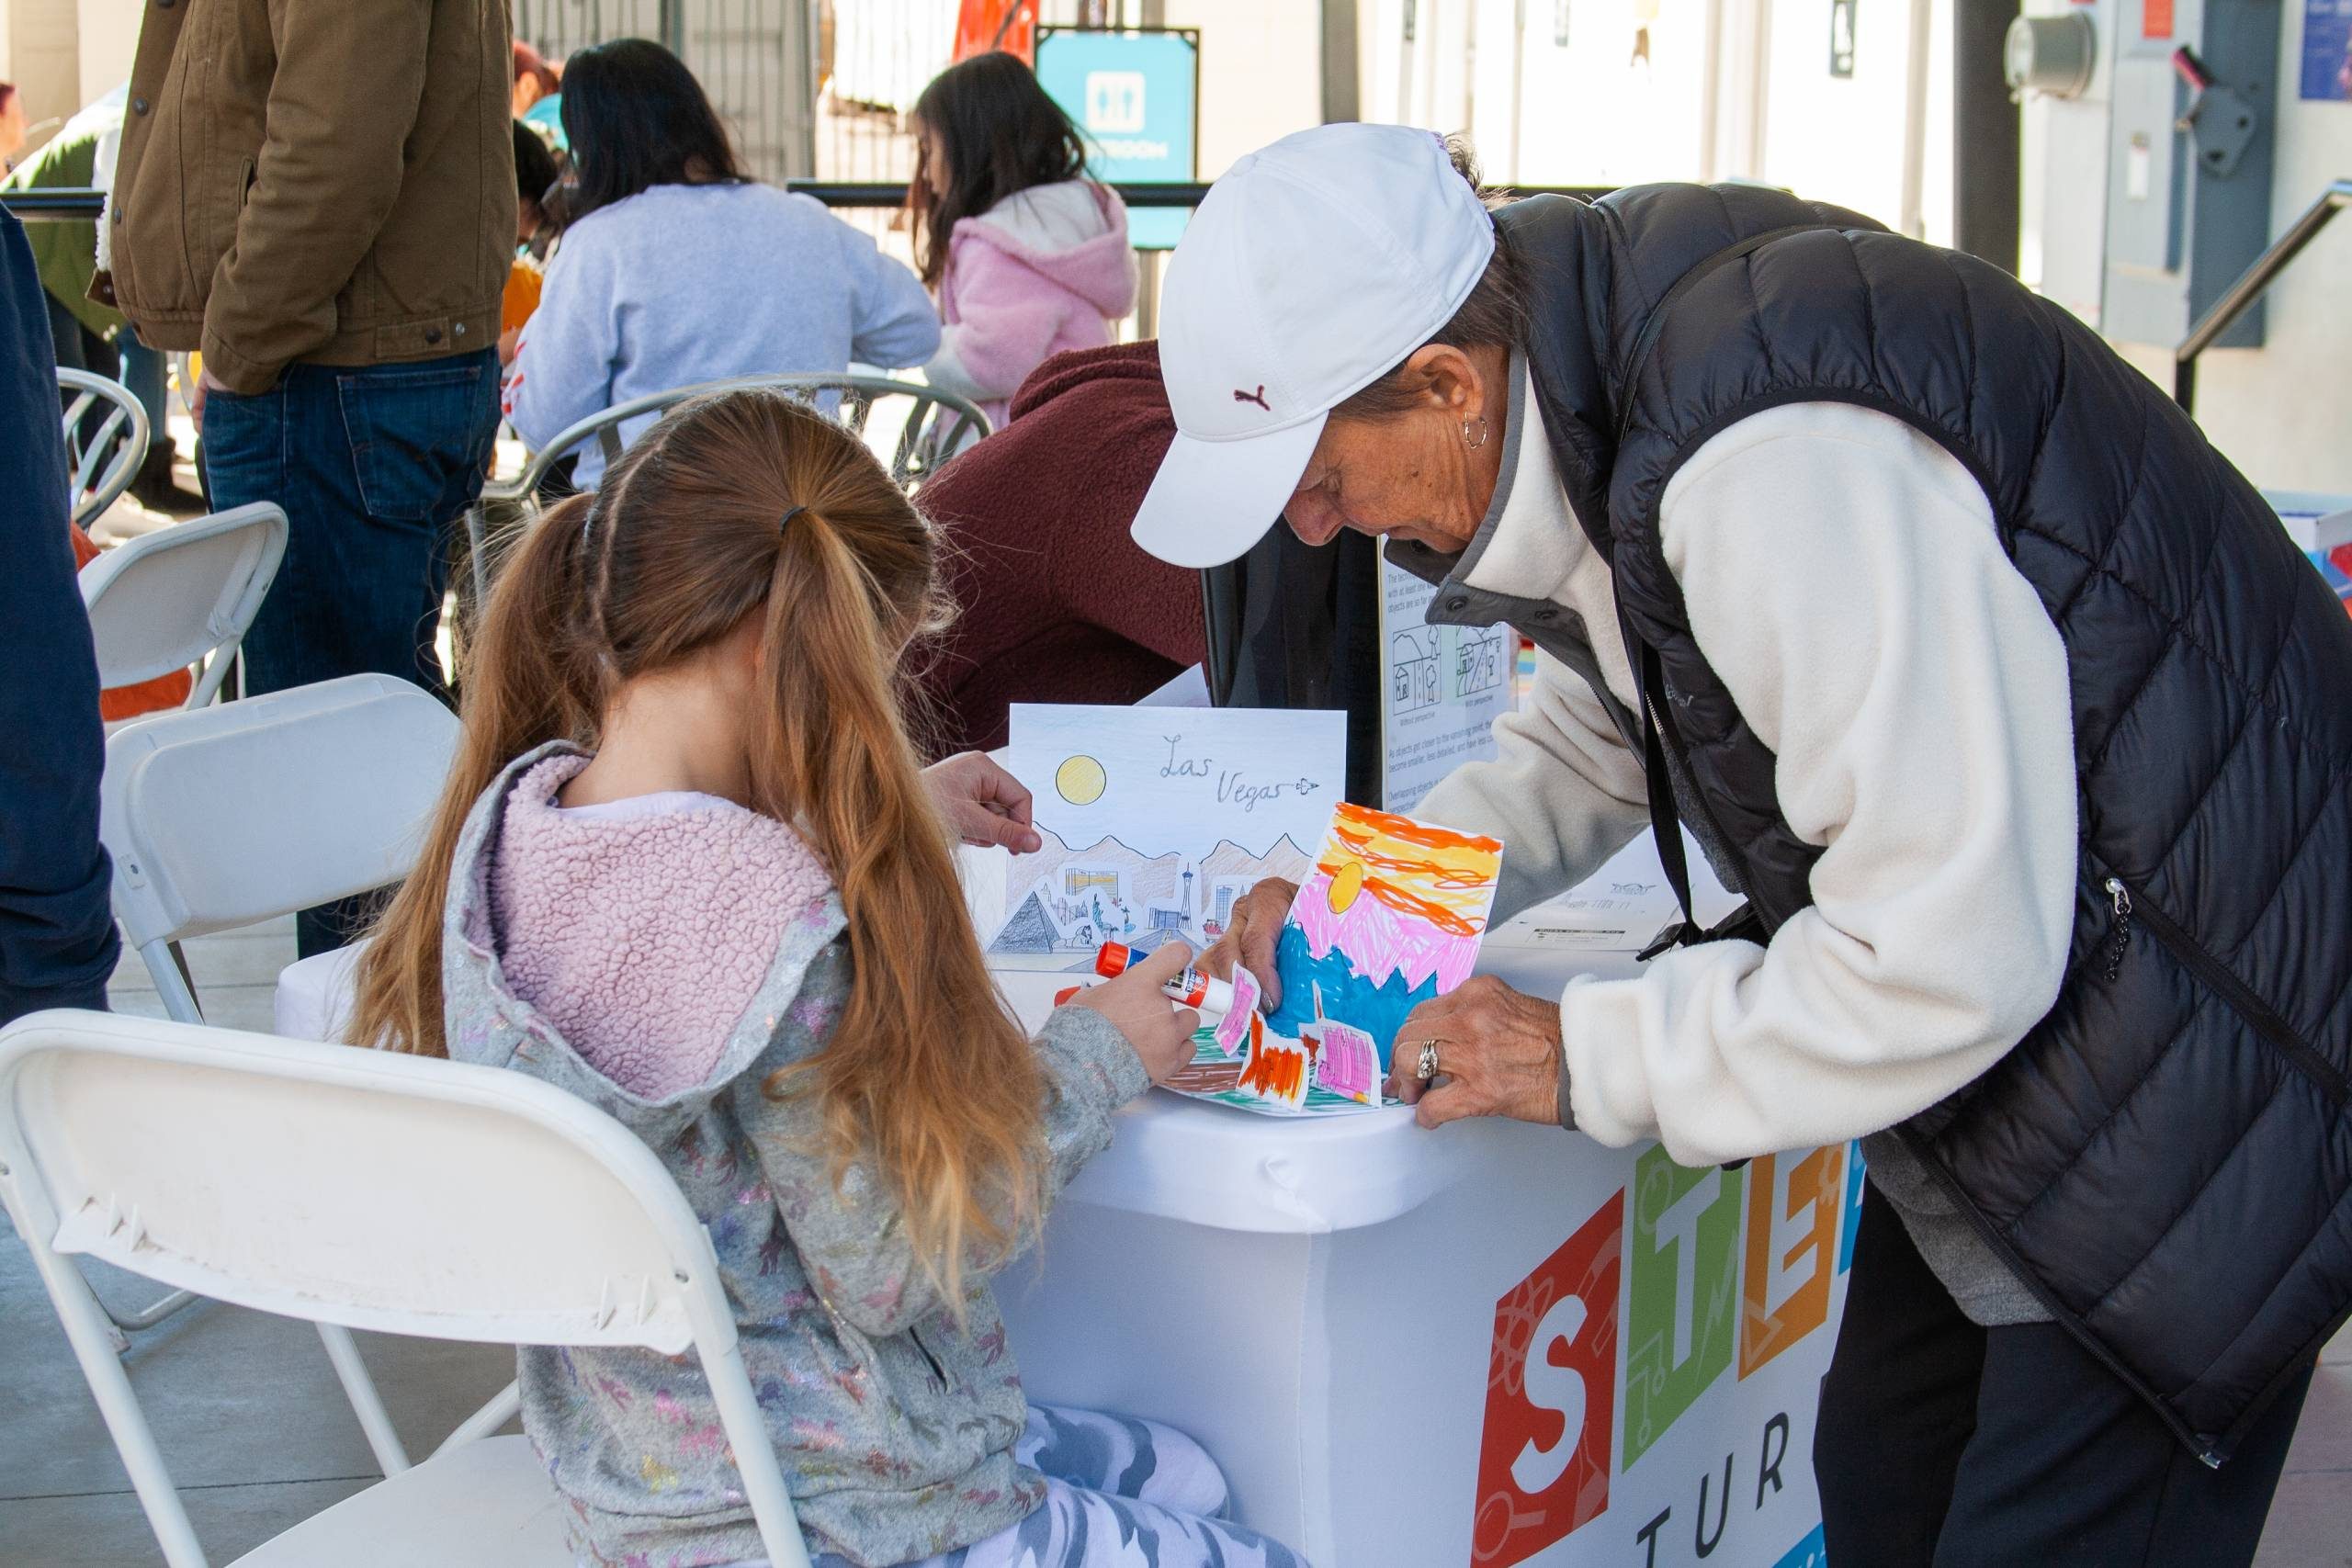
[[1161, 1031], [1249, 938], [1497, 1054], [985, 805]]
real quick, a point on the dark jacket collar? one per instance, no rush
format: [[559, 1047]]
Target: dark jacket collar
[[1565, 248]]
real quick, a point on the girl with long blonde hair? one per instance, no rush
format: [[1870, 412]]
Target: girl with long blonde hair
[[686, 868]]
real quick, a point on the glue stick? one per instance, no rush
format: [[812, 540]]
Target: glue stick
[[1206, 994]]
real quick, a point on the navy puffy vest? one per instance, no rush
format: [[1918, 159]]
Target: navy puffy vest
[[2166, 1158]]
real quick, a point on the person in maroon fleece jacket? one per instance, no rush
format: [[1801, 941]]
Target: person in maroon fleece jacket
[[1055, 604]]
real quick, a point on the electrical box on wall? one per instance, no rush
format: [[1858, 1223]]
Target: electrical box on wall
[[2058, 58], [2193, 111]]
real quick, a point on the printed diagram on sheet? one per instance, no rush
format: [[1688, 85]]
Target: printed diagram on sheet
[[1445, 687]]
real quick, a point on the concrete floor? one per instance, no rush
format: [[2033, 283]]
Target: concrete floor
[[250, 1418]]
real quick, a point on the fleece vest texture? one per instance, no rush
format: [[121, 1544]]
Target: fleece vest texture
[[2165, 1159]]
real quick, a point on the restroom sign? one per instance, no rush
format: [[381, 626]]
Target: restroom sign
[[1113, 103], [1134, 94]]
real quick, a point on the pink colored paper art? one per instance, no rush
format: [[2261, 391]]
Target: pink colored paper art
[[1348, 1063]]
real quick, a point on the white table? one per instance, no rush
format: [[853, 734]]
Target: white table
[[1341, 1310]]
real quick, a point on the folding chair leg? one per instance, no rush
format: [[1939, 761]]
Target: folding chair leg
[[133, 1322], [169, 971], [85, 1330], [365, 1402], [477, 540], [501, 1408], [212, 674]]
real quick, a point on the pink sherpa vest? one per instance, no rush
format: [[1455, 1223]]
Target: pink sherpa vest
[[641, 928]]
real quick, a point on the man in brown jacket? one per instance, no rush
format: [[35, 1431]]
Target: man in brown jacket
[[320, 195]]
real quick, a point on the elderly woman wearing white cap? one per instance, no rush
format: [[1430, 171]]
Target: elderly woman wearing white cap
[[1997, 694]]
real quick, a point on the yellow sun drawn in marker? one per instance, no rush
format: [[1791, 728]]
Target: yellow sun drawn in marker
[[1080, 781], [1347, 885]]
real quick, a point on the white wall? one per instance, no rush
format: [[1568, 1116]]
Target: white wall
[[1588, 113], [2283, 412], [1842, 140], [1261, 74], [1591, 115], [39, 55], [110, 37]]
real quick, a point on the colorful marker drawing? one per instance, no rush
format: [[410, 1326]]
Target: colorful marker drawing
[[1217, 1077], [1241, 1024], [1277, 1072], [1389, 918], [1348, 1063]]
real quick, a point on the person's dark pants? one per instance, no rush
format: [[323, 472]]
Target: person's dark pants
[[373, 466], [1944, 1444], [79, 348], [58, 944]]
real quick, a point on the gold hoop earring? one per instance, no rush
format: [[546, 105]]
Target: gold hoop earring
[[1483, 432]]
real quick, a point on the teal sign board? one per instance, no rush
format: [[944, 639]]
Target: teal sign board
[[1135, 94]]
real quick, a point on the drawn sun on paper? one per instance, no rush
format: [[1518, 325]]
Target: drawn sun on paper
[[1389, 918], [1080, 781]]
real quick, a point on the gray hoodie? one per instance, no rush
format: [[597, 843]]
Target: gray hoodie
[[894, 1425]]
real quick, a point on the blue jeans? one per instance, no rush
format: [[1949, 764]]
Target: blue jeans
[[373, 465], [144, 371]]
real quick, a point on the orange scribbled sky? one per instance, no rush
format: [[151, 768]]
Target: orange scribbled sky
[[1432, 874]]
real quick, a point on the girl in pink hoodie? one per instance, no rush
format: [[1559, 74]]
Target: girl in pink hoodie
[[1027, 256]]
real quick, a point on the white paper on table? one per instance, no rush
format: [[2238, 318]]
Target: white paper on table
[[1156, 820], [1620, 907], [1190, 690]]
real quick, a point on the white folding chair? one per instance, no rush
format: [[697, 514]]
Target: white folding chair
[[938, 425], [183, 595], [222, 817], [227, 816], [373, 1191], [102, 455]]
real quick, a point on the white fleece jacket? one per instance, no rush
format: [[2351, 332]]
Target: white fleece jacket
[[1843, 577]]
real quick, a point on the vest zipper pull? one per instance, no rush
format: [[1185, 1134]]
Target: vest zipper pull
[[2119, 898]]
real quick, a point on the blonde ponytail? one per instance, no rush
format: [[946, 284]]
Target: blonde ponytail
[[739, 504], [928, 1074]]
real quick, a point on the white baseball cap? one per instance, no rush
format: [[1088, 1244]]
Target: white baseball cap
[[1311, 270]]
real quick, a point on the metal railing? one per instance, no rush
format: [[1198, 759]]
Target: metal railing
[[54, 204], [62, 202], [885, 193], [2251, 286]]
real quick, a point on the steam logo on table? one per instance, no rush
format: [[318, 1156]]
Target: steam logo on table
[[1563, 1341]]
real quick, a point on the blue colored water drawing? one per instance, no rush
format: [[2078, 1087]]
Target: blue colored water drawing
[[1379, 1011]]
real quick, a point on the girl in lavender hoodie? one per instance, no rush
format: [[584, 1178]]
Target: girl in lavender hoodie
[[686, 868], [1027, 256]]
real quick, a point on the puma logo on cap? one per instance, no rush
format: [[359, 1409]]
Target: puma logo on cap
[[1257, 397]]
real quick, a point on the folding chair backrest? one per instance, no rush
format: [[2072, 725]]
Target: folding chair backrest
[[938, 424], [367, 1188], [224, 816], [165, 600], [103, 449], [938, 421], [357, 1187]]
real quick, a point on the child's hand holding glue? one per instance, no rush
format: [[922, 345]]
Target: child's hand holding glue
[[1137, 1005]]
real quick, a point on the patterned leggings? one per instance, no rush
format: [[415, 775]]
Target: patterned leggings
[[1119, 1493]]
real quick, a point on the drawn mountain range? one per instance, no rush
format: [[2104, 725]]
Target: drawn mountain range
[[1063, 896], [1158, 877]]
